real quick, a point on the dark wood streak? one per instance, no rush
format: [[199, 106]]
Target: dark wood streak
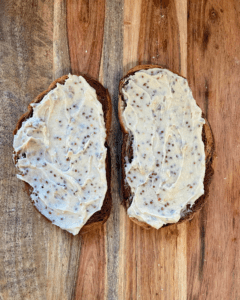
[[206, 37], [163, 3], [233, 222], [206, 98], [202, 245]]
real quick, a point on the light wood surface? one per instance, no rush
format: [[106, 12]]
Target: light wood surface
[[42, 40]]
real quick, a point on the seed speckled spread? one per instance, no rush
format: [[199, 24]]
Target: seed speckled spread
[[60, 152], [168, 165]]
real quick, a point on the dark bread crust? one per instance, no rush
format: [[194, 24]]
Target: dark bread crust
[[208, 140], [100, 217]]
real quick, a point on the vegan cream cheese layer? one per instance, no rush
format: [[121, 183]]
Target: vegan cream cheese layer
[[167, 170], [61, 154]]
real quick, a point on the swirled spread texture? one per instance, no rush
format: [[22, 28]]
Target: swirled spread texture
[[60, 153], [167, 169]]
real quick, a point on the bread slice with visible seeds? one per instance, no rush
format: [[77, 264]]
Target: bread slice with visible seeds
[[101, 216], [127, 151]]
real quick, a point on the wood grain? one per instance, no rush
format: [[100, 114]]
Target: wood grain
[[112, 72], [61, 59], [159, 34], [91, 276], [85, 23], [26, 68], [35, 256], [213, 71]]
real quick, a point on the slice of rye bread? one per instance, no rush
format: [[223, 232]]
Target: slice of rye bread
[[101, 216], [127, 151]]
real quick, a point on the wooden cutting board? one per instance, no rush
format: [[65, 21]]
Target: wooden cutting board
[[43, 39]]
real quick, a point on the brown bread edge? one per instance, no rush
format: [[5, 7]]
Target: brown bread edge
[[100, 217], [209, 145]]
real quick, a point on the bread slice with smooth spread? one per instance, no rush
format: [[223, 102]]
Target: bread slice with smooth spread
[[62, 154], [167, 150]]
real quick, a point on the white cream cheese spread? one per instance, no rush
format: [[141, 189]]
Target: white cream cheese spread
[[167, 170], [61, 154]]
